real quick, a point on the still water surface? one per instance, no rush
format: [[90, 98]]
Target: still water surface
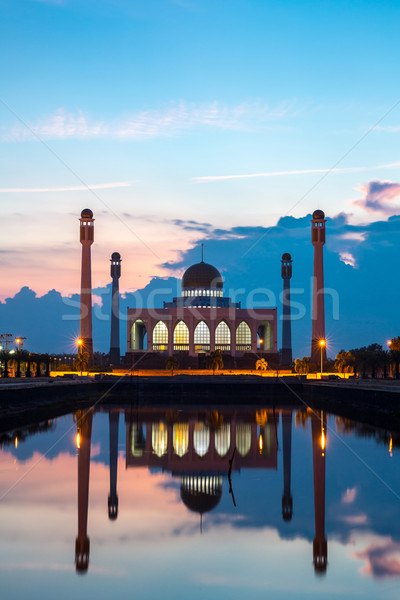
[[175, 504]]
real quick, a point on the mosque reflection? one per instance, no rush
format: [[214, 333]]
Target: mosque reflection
[[201, 448]]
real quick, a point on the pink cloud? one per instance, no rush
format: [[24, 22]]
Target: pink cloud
[[379, 197], [381, 560]]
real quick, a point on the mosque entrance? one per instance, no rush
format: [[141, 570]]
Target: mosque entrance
[[138, 335]]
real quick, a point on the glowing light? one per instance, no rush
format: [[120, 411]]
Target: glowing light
[[323, 440], [79, 342], [16, 442], [260, 443], [78, 440], [389, 342], [322, 343], [390, 446]]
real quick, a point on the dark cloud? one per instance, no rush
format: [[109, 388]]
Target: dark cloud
[[379, 196], [382, 560]]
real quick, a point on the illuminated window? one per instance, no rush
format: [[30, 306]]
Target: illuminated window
[[223, 440], [181, 336], [160, 336], [201, 439], [181, 438], [222, 337], [159, 438], [202, 337], [243, 336], [243, 438], [138, 440], [138, 335]]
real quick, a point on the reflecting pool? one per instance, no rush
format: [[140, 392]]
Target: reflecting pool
[[201, 503]]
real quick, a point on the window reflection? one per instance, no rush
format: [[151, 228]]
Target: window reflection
[[159, 438], [223, 440], [181, 438], [243, 438], [201, 439]]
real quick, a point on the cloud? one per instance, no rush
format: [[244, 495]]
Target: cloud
[[171, 120], [379, 197], [382, 561], [76, 188], [206, 178], [349, 495]]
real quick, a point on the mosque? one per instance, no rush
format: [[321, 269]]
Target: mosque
[[201, 321]]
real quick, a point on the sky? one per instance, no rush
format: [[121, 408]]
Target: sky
[[177, 121]]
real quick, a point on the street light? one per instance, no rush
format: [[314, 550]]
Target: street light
[[322, 344], [79, 344]]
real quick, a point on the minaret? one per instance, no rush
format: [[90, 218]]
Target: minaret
[[113, 418], [318, 303], [287, 500], [115, 352], [286, 353], [87, 237], [83, 442], [320, 546]]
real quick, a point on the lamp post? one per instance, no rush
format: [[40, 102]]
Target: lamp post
[[322, 344]]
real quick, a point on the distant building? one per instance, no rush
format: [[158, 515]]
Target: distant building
[[115, 351], [286, 271], [202, 320], [318, 300], [86, 238]]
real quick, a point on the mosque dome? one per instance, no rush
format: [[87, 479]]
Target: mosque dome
[[86, 214], [115, 256], [318, 214], [286, 256], [202, 275], [201, 493]]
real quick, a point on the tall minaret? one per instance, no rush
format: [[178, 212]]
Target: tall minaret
[[87, 237], [287, 500], [115, 352], [113, 418], [320, 545], [318, 303], [83, 442], [286, 353]]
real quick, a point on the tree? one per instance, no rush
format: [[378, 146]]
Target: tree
[[171, 364], [81, 363], [214, 361], [344, 362], [395, 353], [4, 358], [302, 365], [261, 364]]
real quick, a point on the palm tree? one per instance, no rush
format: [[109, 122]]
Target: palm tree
[[344, 362], [171, 364], [214, 361], [81, 362], [261, 364], [4, 358], [302, 365]]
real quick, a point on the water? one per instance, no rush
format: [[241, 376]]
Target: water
[[160, 503]]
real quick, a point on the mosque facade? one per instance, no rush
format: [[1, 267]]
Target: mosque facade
[[203, 320]]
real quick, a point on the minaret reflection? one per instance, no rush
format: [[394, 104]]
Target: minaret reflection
[[320, 546], [113, 418], [83, 441], [287, 500]]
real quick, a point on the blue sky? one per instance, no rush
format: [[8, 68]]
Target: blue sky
[[230, 113]]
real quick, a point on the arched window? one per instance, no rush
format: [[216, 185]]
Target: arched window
[[159, 438], [222, 337], [264, 336], [202, 337], [223, 439], [138, 335], [181, 438], [243, 337], [201, 438], [181, 336], [160, 336], [243, 438]]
